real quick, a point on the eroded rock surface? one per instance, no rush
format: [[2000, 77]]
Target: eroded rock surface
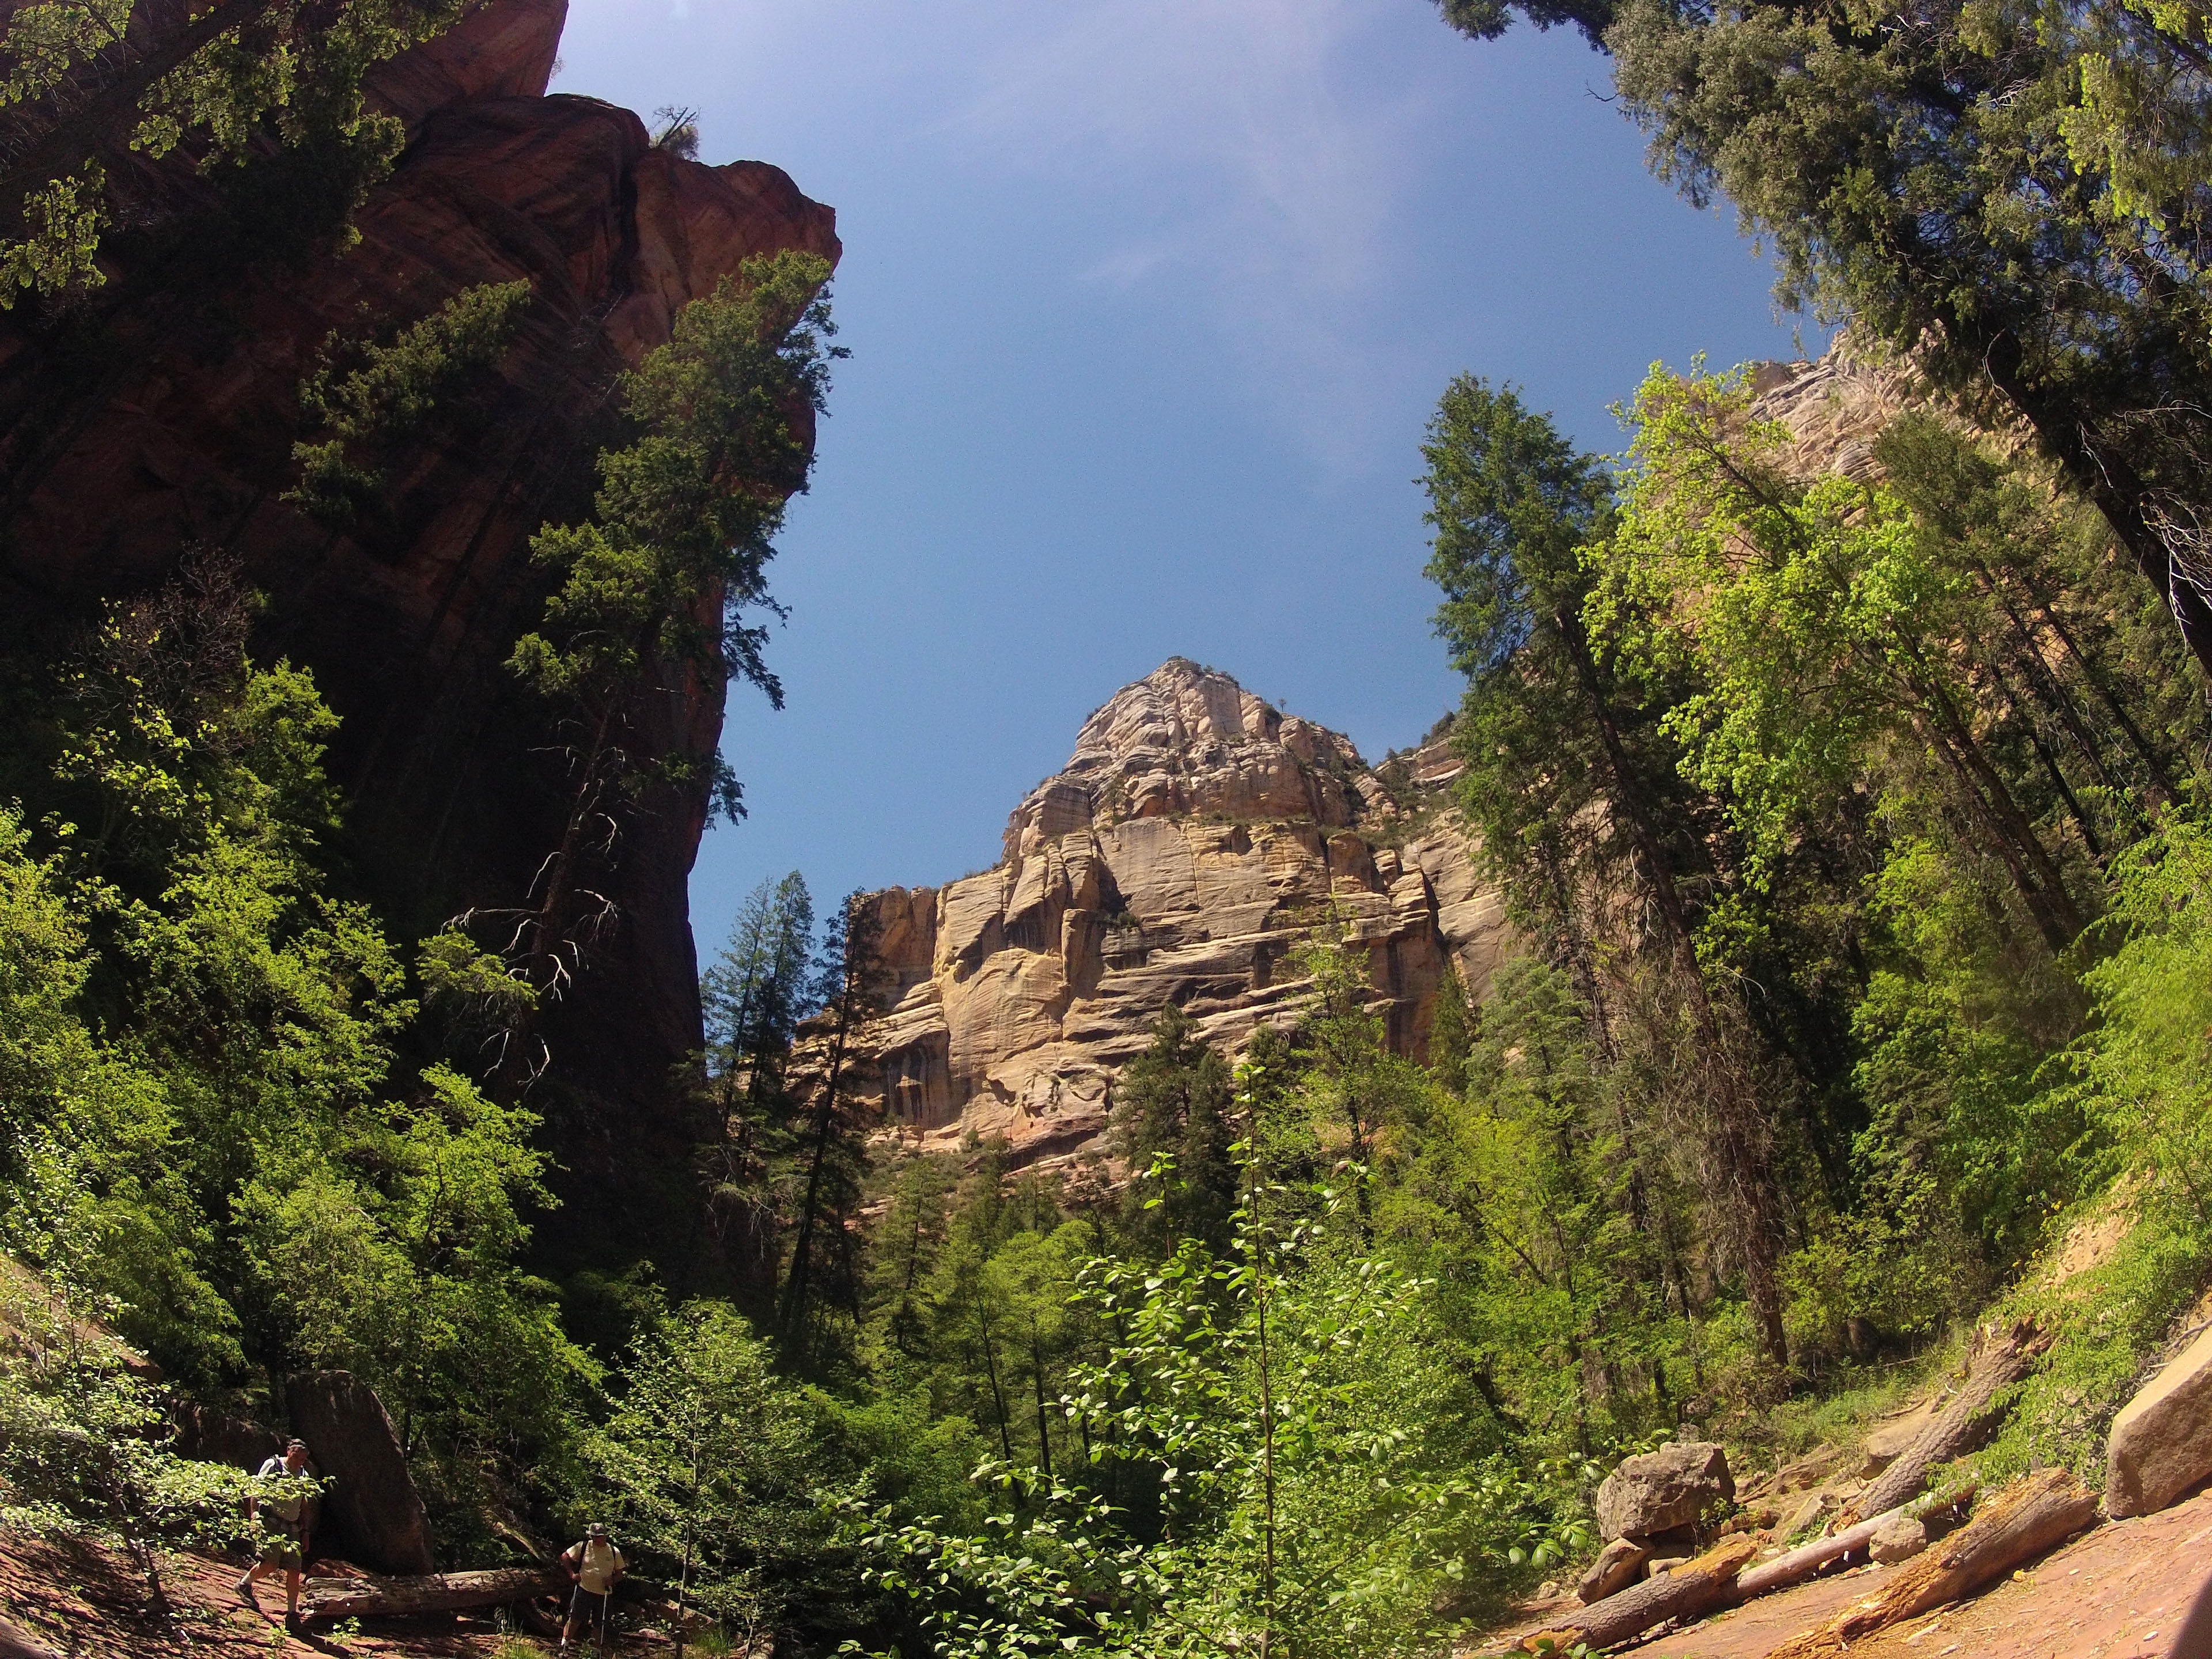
[[373, 1513], [1192, 841]]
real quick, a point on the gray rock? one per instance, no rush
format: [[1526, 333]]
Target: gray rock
[[207, 1436], [1618, 1564], [372, 1515], [1662, 1490], [2160, 1446], [1809, 1513], [1660, 1565], [1898, 1539]]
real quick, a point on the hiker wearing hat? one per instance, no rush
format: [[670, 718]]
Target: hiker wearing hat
[[284, 1532], [595, 1567]]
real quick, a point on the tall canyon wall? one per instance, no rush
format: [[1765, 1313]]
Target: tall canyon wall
[[159, 415]]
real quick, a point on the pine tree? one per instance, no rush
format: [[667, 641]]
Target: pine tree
[[847, 986], [751, 998], [1551, 727], [1176, 1100]]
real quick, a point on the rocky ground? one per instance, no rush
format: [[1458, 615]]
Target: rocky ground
[[2122, 1589], [83, 1604]]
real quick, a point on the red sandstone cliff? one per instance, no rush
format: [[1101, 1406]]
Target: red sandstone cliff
[[163, 414]]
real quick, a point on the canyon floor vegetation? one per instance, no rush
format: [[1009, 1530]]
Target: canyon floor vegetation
[[1854, 822]]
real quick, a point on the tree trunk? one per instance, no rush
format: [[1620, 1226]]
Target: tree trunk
[[2108, 480], [445, 1592], [1803, 1563], [2048, 614], [795, 1289], [16, 1643], [2054, 931], [1735, 1131], [2028, 1518], [2051, 769], [1689, 1591], [998, 1394], [1969, 1420]]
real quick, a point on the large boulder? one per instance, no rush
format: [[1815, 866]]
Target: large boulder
[[207, 1436], [2160, 1446], [1663, 1489], [372, 1513]]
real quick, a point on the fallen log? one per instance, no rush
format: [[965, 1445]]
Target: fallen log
[[1688, 1591], [1803, 1562], [1965, 1424], [441, 1592], [2034, 1513]]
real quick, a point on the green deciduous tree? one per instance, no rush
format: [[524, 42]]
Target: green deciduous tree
[[1566, 766], [712, 1462], [2006, 192]]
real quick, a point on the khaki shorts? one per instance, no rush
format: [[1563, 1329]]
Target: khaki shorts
[[283, 1547]]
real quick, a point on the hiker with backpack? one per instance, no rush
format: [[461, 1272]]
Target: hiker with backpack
[[284, 1525], [594, 1566]]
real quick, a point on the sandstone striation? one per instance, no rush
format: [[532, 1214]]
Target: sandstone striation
[[1191, 843]]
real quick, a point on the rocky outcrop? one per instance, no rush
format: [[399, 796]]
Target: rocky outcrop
[[372, 1515], [1618, 1564], [176, 428], [1191, 843]]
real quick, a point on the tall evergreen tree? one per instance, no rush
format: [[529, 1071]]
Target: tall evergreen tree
[[1550, 729], [1176, 1100], [752, 998], [847, 989], [2012, 192]]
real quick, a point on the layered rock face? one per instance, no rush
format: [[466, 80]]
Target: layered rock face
[[1189, 846], [179, 429]]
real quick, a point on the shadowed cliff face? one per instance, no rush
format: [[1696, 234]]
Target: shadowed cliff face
[[164, 415], [1188, 847]]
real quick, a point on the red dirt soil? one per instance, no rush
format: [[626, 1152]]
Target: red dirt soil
[[83, 1602], [2119, 1591]]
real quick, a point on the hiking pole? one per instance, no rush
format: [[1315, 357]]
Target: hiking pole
[[569, 1622], [606, 1609]]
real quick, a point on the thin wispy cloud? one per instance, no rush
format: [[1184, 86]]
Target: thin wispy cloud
[[1270, 191]]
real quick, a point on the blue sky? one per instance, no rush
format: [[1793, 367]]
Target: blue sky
[[1148, 301]]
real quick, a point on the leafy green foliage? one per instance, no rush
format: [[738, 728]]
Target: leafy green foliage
[[711, 1463], [204, 1124], [652, 591], [79, 82], [1313, 1482], [82, 1440], [1174, 1101]]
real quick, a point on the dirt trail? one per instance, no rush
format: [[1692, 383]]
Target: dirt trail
[[2119, 1591], [83, 1604]]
